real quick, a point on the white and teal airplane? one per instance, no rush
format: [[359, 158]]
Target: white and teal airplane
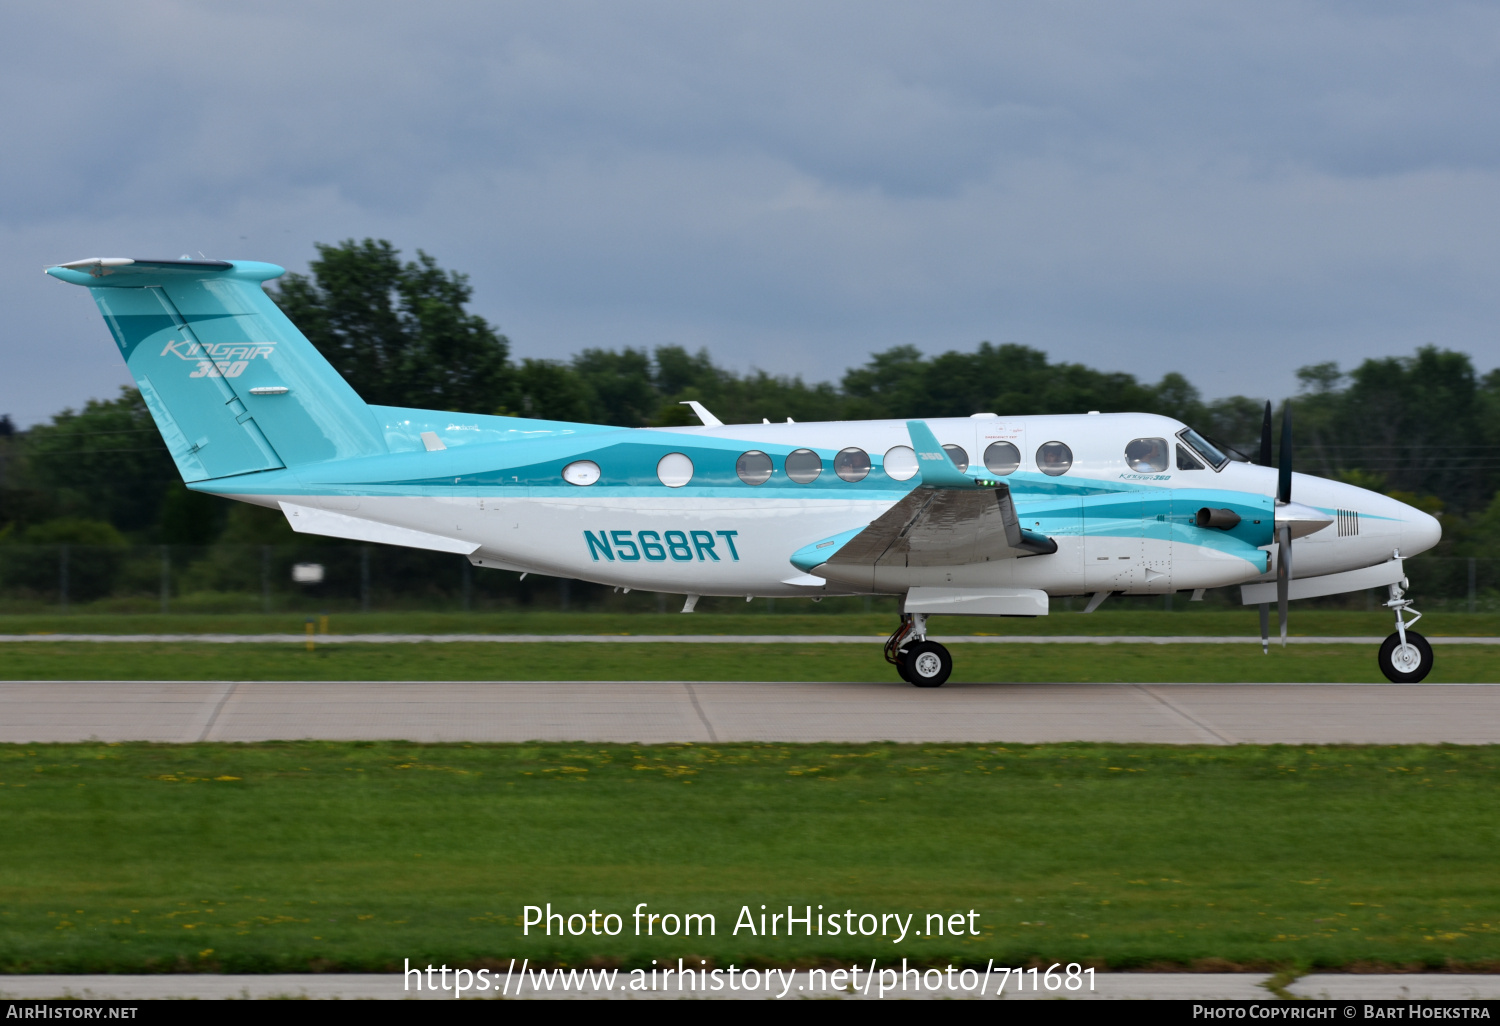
[[989, 515]]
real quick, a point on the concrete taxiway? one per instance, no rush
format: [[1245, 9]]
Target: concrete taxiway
[[666, 712]]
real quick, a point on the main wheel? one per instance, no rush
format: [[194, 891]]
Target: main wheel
[[1408, 663], [927, 664], [901, 667]]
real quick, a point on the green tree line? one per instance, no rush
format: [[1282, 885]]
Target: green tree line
[[1425, 427]]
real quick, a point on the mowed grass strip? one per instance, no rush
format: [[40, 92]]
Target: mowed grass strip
[[1187, 619], [355, 856], [1134, 663]]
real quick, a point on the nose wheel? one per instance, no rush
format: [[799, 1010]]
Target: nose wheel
[[1405, 661], [921, 663], [1405, 656]]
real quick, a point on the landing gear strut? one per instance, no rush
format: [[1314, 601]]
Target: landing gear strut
[[920, 662], [1405, 656]]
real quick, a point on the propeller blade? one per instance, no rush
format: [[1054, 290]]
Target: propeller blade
[[1283, 576], [1284, 484], [1265, 437]]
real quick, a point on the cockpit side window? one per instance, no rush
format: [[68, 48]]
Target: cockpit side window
[[1147, 455], [1200, 445], [1186, 460]]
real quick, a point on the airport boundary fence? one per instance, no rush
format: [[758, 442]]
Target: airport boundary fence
[[352, 577]]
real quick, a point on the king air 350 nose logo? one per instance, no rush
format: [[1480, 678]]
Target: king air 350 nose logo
[[221, 360]]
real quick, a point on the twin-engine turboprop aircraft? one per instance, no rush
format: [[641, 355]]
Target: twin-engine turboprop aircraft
[[988, 515]]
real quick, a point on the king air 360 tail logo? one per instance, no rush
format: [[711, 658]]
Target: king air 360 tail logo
[[222, 360]]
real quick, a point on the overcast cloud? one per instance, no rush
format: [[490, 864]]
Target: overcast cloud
[[1231, 191]]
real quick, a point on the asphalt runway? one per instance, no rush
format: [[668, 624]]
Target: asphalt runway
[[666, 712]]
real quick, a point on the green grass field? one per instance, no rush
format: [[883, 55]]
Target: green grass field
[[1186, 619], [460, 661], [333, 856], [1137, 663]]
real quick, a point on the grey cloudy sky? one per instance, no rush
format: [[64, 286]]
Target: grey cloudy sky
[[1227, 190]]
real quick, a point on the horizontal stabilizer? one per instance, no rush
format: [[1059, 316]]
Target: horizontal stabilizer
[[125, 268], [307, 520]]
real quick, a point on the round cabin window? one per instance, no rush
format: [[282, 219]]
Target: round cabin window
[[1001, 458], [1147, 455], [1054, 458], [754, 467], [900, 463], [958, 456], [581, 473], [674, 470], [852, 464], [803, 466]]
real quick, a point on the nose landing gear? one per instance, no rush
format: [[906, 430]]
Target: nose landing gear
[[922, 663], [1405, 656]]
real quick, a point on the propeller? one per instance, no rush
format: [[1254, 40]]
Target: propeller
[[1284, 528], [1283, 525], [1284, 532], [1284, 481]]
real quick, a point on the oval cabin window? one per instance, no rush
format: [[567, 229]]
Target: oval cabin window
[[581, 473], [852, 465], [674, 470], [900, 463], [1054, 458], [1001, 458], [959, 457], [754, 467], [1147, 455], [803, 466]]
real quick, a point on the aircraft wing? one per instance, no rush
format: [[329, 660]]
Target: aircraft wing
[[943, 527], [949, 520]]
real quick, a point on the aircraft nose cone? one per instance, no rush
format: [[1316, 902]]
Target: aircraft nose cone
[[1419, 532]]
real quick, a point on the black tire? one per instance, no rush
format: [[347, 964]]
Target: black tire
[[926, 664], [1409, 666], [901, 667]]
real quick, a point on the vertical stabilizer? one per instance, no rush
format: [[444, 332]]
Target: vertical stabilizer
[[233, 385]]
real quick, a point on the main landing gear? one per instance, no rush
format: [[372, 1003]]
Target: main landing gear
[[920, 662], [1405, 656]]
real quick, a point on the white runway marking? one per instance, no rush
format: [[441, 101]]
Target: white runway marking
[[663, 712], [711, 639]]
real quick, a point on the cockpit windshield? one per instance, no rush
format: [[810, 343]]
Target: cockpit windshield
[[1202, 447], [1234, 454]]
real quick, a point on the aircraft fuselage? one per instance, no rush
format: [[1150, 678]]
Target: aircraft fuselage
[[1118, 527]]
